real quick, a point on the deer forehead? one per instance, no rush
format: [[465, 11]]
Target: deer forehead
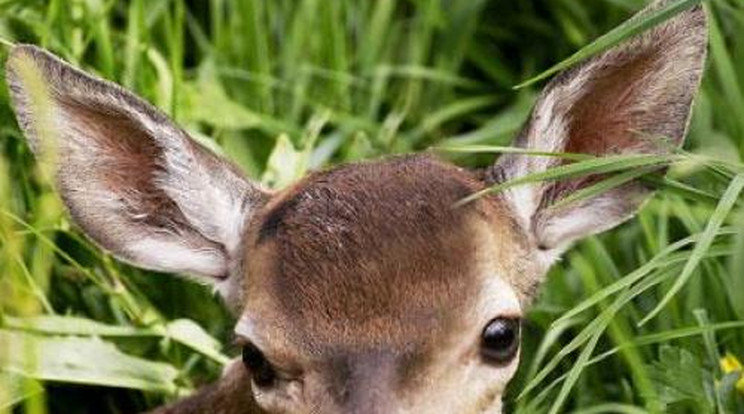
[[376, 255]]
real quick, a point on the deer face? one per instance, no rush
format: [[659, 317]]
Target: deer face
[[367, 288], [367, 291]]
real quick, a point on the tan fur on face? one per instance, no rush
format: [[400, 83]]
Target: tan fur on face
[[386, 234], [367, 277]]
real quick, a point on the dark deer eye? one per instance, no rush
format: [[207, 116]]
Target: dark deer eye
[[260, 368], [500, 341]]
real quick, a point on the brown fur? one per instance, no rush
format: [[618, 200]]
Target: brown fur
[[386, 234], [389, 236]]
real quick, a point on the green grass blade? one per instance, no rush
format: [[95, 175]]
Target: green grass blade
[[724, 65], [663, 259], [729, 199], [614, 37], [496, 149], [602, 187], [15, 389], [183, 331], [577, 368], [582, 168], [645, 340], [82, 361], [611, 408]]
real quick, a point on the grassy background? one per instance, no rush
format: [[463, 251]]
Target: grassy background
[[283, 86]]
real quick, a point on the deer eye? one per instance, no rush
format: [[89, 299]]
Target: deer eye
[[262, 372], [500, 340]]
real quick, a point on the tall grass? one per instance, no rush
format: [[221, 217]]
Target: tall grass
[[647, 318]]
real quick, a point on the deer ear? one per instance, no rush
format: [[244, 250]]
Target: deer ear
[[137, 185], [635, 98]]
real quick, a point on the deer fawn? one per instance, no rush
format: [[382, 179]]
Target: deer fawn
[[359, 289]]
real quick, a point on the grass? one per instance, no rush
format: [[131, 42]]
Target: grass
[[637, 320]]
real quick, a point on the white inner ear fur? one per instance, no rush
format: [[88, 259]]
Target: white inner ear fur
[[215, 212], [165, 252], [548, 133], [171, 255], [203, 197], [201, 193]]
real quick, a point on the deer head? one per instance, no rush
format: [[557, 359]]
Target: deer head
[[361, 288]]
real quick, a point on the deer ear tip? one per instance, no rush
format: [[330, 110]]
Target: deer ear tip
[[25, 57], [22, 58], [694, 21], [27, 70], [695, 26], [21, 53], [698, 19]]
